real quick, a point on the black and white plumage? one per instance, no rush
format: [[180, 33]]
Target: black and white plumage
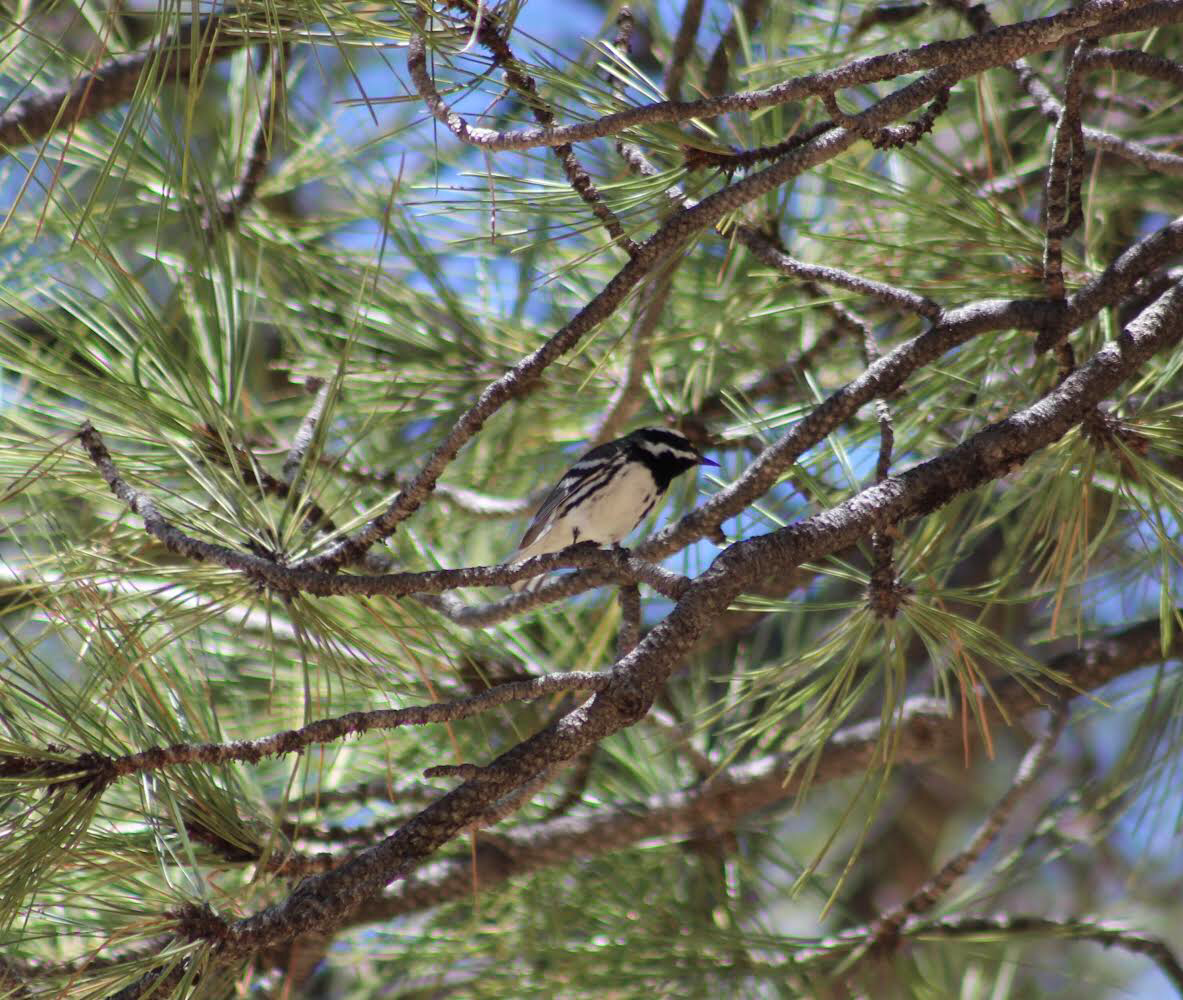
[[608, 492]]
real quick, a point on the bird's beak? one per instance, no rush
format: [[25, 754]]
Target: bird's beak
[[703, 460]]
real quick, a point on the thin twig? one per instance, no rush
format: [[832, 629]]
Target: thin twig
[[472, 502], [744, 159], [719, 65], [244, 464], [898, 136], [1062, 207], [229, 209], [380, 789], [323, 731], [766, 250], [509, 804], [490, 33], [1109, 935], [629, 395], [304, 436], [935, 889], [561, 588], [357, 723]]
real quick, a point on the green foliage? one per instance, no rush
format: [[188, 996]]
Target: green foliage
[[406, 271]]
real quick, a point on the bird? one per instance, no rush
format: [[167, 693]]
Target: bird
[[608, 492]]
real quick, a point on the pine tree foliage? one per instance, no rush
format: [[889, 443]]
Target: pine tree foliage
[[305, 305]]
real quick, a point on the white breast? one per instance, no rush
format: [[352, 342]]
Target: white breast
[[611, 515], [605, 518]]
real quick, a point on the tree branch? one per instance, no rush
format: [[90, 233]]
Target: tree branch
[[931, 893], [682, 48], [925, 731], [1108, 935], [323, 901], [965, 56], [1168, 163], [618, 564], [177, 58], [490, 34]]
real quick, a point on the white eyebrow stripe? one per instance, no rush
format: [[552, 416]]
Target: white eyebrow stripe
[[656, 448]]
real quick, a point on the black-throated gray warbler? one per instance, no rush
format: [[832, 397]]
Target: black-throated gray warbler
[[608, 492]]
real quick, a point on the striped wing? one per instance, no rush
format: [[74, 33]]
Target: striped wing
[[584, 477]]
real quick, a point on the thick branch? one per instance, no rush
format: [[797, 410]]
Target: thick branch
[[323, 901], [925, 729], [887, 375], [177, 58]]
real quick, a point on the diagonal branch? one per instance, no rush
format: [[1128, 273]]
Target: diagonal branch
[[763, 248], [491, 34], [682, 48], [177, 58], [627, 399], [885, 376], [963, 56], [924, 728], [931, 893], [323, 901]]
